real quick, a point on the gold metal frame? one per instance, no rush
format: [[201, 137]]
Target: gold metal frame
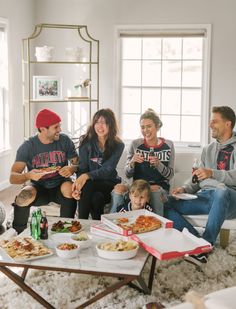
[[27, 75]]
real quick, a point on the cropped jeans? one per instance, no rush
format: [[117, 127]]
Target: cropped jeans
[[219, 204]]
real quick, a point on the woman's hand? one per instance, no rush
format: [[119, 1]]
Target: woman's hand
[[154, 161], [137, 158], [78, 185]]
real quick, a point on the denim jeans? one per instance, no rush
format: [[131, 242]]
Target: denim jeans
[[156, 202], [218, 203]]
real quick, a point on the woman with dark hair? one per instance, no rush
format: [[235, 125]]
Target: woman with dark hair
[[150, 158], [99, 152]]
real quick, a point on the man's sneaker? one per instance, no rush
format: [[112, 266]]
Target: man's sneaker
[[197, 259]]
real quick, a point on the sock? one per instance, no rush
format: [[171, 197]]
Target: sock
[[68, 207], [21, 215]]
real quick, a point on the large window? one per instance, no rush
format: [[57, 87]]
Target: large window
[[4, 110], [168, 72]]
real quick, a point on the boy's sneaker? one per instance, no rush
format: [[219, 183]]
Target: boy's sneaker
[[197, 259]]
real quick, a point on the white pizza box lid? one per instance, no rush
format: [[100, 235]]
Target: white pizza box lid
[[166, 244], [104, 230], [111, 220]]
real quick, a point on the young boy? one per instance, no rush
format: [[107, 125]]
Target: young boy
[[139, 196]]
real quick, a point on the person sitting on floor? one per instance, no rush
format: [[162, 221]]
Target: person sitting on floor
[[139, 197], [216, 185], [48, 149]]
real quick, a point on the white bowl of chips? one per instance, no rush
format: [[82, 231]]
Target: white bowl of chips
[[83, 239], [67, 250], [117, 250]]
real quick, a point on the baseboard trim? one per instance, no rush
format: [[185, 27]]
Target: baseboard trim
[[4, 184]]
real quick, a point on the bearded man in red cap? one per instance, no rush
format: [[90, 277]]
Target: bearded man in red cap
[[51, 159]]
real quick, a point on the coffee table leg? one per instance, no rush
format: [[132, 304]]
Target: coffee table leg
[[20, 282], [147, 289]]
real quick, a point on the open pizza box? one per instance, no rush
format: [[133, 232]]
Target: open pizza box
[[112, 220], [104, 230], [167, 244]]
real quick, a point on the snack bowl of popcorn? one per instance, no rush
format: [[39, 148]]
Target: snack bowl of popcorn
[[67, 250], [117, 250], [83, 240]]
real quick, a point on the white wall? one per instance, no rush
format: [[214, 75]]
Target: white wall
[[20, 15], [101, 17]]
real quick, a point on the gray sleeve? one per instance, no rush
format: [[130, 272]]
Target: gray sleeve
[[22, 154], [227, 177], [168, 171], [129, 171]]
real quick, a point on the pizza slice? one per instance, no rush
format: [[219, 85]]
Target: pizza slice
[[145, 224]]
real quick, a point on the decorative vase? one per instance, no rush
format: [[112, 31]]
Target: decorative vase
[[44, 53]]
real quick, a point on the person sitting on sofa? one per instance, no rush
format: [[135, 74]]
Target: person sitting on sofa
[[139, 197], [150, 158], [216, 185], [48, 149]]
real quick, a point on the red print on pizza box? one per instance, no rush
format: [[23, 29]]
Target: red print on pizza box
[[124, 222]]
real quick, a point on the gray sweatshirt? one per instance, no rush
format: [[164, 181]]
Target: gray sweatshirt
[[210, 159]]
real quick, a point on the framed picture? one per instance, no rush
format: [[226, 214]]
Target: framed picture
[[47, 88]]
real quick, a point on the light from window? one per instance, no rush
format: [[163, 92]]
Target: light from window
[[167, 75]]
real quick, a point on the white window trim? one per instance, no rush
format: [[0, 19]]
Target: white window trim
[[5, 24], [183, 28]]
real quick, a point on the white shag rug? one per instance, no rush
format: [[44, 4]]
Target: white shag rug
[[173, 279]]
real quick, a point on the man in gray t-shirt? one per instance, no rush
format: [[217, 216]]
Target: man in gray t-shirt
[[46, 156]]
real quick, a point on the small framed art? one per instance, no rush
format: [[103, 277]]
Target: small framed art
[[47, 88]]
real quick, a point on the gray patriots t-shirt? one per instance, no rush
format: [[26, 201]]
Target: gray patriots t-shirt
[[38, 155]]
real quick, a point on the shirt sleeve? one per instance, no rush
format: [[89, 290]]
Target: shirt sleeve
[[168, 171], [22, 154], [129, 170]]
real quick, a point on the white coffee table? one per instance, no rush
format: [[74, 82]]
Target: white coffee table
[[87, 262]]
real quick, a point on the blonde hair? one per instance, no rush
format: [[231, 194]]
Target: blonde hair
[[152, 115], [140, 185]]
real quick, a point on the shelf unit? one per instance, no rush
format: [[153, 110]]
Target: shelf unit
[[70, 72]]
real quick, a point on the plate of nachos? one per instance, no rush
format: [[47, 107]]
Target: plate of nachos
[[25, 249]]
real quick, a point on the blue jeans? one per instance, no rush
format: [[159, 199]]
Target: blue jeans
[[158, 198], [219, 204]]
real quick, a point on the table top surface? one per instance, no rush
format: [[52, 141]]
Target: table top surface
[[87, 259]]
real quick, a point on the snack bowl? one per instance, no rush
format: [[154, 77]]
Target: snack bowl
[[67, 250], [117, 250], [83, 240]]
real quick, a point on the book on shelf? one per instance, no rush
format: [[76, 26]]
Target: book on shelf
[[76, 98]]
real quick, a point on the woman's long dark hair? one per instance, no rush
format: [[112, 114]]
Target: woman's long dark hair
[[112, 138]]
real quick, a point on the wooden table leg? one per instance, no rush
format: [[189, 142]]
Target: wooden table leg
[[20, 282], [147, 289], [109, 290]]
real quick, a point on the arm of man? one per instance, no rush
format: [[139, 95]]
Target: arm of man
[[18, 176], [69, 170]]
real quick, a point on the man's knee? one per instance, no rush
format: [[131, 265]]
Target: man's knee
[[26, 196], [120, 188], [66, 189]]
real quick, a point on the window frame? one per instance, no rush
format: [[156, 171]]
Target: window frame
[[4, 24], [138, 30]]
